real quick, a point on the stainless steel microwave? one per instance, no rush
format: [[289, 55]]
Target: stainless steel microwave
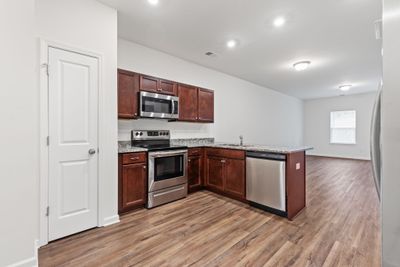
[[159, 106]]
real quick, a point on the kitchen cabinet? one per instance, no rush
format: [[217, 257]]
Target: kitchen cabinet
[[235, 177], [132, 176], [215, 171], [225, 172], [188, 110], [195, 169], [157, 85], [205, 105], [128, 90], [195, 104]]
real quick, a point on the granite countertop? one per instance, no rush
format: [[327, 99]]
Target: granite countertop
[[125, 146]]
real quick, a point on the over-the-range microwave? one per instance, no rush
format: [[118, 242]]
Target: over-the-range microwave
[[160, 106]]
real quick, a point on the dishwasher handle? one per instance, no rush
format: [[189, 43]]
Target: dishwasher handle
[[266, 155]]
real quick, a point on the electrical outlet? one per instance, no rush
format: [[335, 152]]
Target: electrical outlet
[[298, 166]]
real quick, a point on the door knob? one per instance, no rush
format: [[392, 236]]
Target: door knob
[[92, 151]]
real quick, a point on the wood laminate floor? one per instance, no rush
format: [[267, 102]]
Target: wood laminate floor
[[339, 227]]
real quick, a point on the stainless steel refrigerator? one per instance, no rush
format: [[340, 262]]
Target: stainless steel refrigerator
[[390, 136]]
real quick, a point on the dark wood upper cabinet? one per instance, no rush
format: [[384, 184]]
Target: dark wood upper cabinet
[[168, 87], [148, 83], [128, 89], [195, 104], [157, 85], [205, 105], [187, 102], [235, 177], [215, 173]]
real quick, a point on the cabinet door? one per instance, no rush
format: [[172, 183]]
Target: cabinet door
[[194, 172], [127, 94], [205, 105], [215, 173], [148, 83], [133, 185], [187, 103], [167, 87], [235, 177]]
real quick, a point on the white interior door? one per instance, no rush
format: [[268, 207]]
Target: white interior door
[[73, 126]]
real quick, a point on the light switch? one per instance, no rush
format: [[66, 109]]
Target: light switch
[[298, 166]]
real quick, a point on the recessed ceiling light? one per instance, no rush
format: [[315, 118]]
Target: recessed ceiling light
[[345, 87], [153, 2], [279, 21], [301, 65], [231, 43]]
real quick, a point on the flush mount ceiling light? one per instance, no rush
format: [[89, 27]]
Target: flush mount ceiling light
[[345, 87], [279, 21], [301, 65], [231, 43], [153, 2]]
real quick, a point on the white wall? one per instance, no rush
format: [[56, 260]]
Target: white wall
[[391, 134], [317, 125], [87, 25], [262, 115], [91, 26], [19, 165]]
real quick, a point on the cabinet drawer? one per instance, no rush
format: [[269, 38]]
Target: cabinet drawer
[[130, 158], [195, 151], [226, 153]]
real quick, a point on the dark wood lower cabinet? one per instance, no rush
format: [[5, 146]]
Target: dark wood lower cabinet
[[220, 170], [224, 174], [132, 183], [195, 173], [235, 178], [215, 172]]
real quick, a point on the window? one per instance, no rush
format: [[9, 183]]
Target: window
[[343, 127]]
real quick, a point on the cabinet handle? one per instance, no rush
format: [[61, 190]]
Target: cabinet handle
[[144, 167], [189, 160], [223, 161], [134, 158], [135, 114]]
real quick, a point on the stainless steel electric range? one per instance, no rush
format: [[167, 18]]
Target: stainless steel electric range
[[167, 166]]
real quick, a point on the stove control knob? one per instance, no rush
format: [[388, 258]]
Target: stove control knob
[[141, 133], [137, 133]]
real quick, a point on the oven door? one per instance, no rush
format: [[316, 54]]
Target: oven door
[[167, 169], [159, 106]]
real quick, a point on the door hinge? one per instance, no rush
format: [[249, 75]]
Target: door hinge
[[48, 140], [45, 65], [47, 211]]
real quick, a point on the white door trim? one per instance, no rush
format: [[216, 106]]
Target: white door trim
[[44, 130]]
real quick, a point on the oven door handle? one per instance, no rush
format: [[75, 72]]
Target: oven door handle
[[166, 154]]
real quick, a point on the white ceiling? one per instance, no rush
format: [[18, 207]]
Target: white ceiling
[[338, 36]]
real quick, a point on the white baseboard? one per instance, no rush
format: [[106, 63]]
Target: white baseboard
[[30, 262], [111, 220]]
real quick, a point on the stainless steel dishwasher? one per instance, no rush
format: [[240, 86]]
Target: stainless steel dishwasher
[[266, 181]]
